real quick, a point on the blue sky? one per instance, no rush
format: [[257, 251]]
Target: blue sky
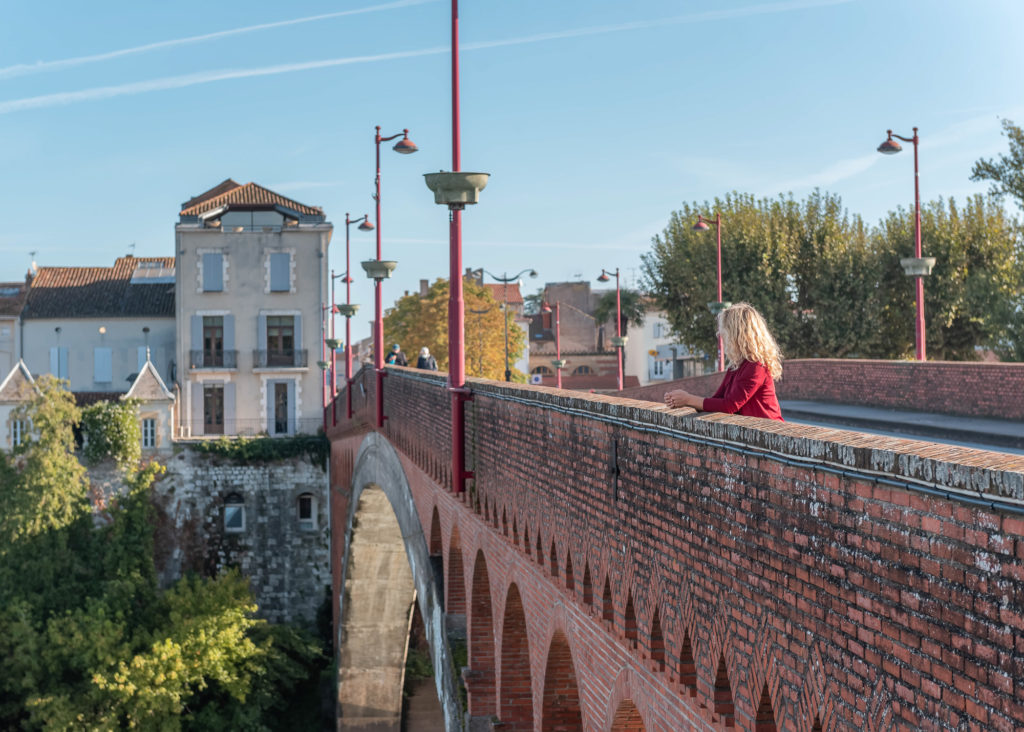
[[596, 119]]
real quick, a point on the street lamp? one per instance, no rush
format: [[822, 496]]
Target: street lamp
[[717, 306], [559, 362], [404, 146], [917, 266], [350, 309], [619, 341], [505, 280]]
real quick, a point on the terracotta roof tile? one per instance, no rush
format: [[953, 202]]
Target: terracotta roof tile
[[88, 292], [242, 196], [500, 290], [12, 297]]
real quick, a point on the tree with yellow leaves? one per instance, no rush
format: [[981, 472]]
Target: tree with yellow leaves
[[416, 321]]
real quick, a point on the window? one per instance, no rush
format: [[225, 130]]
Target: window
[[17, 432], [280, 272], [149, 432], [234, 513], [582, 370], [59, 362], [102, 368], [213, 272], [280, 409], [659, 368], [213, 409], [543, 370], [307, 512], [659, 329], [280, 340], [213, 340]]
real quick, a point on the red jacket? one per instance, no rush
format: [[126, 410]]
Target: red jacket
[[748, 390]]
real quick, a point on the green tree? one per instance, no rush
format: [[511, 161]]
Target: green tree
[[632, 306], [1006, 173], [111, 430], [417, 321]]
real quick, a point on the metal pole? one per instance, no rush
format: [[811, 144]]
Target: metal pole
[[348, 326], [508, 371], [718, 231], [323, 359], [558, 342], [378, 320], [918, 280], [618, 323], [456, 313]]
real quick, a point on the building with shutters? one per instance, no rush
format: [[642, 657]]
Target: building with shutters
[[251, 278]]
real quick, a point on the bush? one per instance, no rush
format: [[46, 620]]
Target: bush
[[111, 430]]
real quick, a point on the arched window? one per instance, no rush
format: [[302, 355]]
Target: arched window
[[234, 513], [580, 370], [307, 512], [542, 370]]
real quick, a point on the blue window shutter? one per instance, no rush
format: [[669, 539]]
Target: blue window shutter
[[197, 332], [280, 272], [213, 272], [141, 358], [298, 341], [270, 406], [229, 332], [63, 363], [261, 334], [291, 407], [197, 408], [55, 361], [229, 408], [103, 367]]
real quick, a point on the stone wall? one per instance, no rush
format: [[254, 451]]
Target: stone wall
[[288, 564]]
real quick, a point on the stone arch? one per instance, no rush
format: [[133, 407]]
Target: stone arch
[[377, 473], [436, 547], [629, 624], [553, 557], [527, 546], [764, 720], [540, 550], [456, 581], [561, 709], [656, 641], [607, 606], [516, 698], [687, 667], [627, 718], [723, 703], [504, 521], [570, 582], [588, 585], [816, 726], [480, 680]]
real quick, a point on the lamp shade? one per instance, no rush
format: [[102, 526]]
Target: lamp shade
[[405, 146], [889, 147], [379, 269], [366, 225], [456, 187]]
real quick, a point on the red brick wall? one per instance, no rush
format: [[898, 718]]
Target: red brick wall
[[947, 387], [858, 604]]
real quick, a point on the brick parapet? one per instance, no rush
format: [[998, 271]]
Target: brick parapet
[[964, 388], [797, 554]]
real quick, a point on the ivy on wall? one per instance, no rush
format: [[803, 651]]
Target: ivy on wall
[[111, 430], [269, 449]]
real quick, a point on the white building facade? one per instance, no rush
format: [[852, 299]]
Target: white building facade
[[653, 354]]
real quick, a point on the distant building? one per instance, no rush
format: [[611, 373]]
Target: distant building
[[12, 299], [252, 275]]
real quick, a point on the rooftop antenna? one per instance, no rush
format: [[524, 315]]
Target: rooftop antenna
[[33, 268], [132, 248]]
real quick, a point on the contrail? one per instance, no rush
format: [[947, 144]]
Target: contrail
[[43, 66], [207, 77]]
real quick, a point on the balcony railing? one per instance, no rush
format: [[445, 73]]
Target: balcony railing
[[284, 358], [213, 359], [253, 427]]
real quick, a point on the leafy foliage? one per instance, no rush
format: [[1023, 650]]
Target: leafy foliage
[[111, 430], [269, 449], [1006, 172], [632, 306], [89, 640], [417, 321]]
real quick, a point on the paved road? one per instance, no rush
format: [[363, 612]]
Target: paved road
[[984, 434]]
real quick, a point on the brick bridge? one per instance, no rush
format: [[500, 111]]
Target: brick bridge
[[620, 566]]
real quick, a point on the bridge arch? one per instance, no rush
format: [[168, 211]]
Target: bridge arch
[[516, 697], [622, 713], [480, 680], [378, 474], [561, 709]]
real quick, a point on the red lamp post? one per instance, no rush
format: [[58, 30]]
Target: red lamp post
[[917, 266], [323, 363], [505, 280], [558, 363], [349, 310], [404, 146], [619, 342], [717, 306]]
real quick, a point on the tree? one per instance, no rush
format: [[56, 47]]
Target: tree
[[1006, 172], [418, 321], [632, 306]]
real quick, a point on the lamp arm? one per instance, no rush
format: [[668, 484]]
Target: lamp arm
[[901, 137], [506, 280], [388, 139]]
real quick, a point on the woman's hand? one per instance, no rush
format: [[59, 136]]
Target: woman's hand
[[681, 398]]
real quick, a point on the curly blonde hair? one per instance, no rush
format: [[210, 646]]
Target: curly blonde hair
[[745, 337]]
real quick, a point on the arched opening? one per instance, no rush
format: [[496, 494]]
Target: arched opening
[[526, 540], [627, 718], [723, 694], [540, 551], [480, 682], [504, 522], [515, 532], [436, 549], [656, 642], [581, 370], [570, 582], [516, 699], [765, 719], [816, 727], [553, 557], [456, 601], [629, 626], [607, 608], [687, 667], [377, 563], [561, 711], [588, 586]]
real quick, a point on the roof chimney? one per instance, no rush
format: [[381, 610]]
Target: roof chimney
[[424, 288]]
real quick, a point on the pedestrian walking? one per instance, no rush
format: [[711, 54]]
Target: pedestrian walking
[[396, 357], [426, 361]]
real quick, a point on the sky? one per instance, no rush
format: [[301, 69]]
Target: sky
[[596, 119]]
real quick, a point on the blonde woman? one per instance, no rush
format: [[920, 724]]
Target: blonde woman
[[754, 362]]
